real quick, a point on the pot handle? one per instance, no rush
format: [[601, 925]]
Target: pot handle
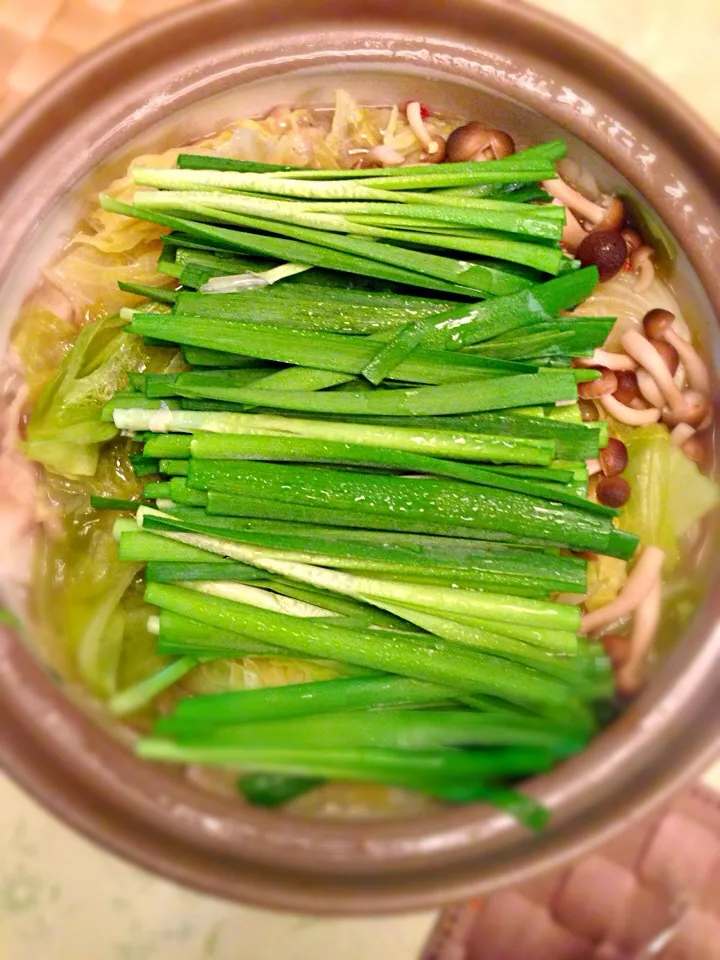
[[653, 891]]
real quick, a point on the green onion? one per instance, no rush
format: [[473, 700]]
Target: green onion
[[159, 294], [497, 231], [335, 352], [395, 729], [447, 443], [490, 606], [464, 326], [469, 396], [223, 238], [350, 189], [434, 660], [218, 447], [514, 572], [140, 695], [273, 789], [501, 511], [318, 697], [182, 637], [159, 571], [551, 151], [447, 774]]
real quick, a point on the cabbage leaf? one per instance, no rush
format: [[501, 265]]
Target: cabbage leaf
[[669, 493], [250, 673], [65, 430]]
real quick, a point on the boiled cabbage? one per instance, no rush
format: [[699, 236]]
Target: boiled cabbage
[[251, 673], [669, 493], [65, 430], [617, 298]]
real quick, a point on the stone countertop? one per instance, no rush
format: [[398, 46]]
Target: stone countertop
[[60, 897]]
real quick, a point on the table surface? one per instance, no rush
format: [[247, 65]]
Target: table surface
[[60, 897]]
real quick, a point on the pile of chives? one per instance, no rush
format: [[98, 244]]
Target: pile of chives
[[372, 456]]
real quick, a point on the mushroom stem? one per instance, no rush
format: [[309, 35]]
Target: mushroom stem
[[417, 125], [681, 433], [603, 358], [645, 624], [650, 390], [617, 647], [614, 216], [574, 200], [648, 357], [628, 415], [645, 574], [641, 262], [593, 466], [573, 233], [695, 369]]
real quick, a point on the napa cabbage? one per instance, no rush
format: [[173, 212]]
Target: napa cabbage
[[669, 493]]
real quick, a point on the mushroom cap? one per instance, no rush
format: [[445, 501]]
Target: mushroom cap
[[436, 152], [668, 352], [693, 410], [613, 491], [613, 457], [656, 322], [474, 141], [613, 219], [627, 389], [591, 389], [604, 249]]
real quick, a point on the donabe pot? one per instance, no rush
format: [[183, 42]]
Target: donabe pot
[[492, 58]]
